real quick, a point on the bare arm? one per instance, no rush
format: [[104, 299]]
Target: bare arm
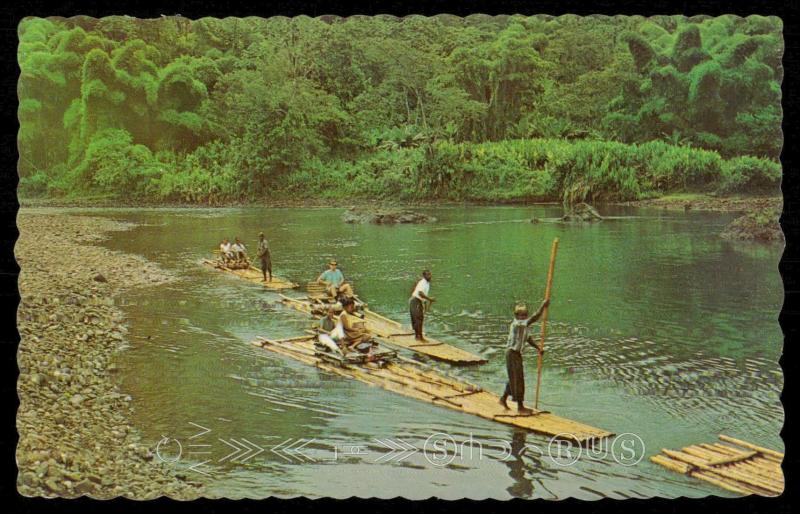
[[538, 314], [426, 297], [533, 319]]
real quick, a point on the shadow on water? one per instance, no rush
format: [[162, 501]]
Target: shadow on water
[[521, 470]]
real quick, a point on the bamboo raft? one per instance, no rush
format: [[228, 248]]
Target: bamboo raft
[[253, 274], [393, 333], [409, 378], [738, 466]]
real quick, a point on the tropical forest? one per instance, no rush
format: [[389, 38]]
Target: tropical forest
[[444, 108]]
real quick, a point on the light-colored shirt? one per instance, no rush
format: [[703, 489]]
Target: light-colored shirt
[[263, 247], [334, 276], [423, 286], [238, 247], [225, 247], [337, 334], [517, 335]]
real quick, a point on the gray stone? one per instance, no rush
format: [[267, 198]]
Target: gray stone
[[385, 217], [582, 212]]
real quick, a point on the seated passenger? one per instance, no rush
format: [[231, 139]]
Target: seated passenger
[[225, 251], [328, 322], [239, 251], [336, 285], [331, 333], [354, 327]]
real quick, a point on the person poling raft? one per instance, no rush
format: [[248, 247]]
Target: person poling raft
[[265, 257], [517, 337], [416, 306]]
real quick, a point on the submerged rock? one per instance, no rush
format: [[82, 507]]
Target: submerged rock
[[385, 217], [582, 212]]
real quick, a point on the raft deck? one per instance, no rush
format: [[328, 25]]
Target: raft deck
[[412, 380], [393, 333], [738, 466], [253, 274]]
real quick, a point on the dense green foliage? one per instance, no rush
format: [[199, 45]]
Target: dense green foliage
[[483, 108], [535, 169]]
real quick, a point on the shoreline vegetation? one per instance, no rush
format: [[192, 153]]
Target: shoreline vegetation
[[74, 424], [759, 219], [512, 171], [683, 202]]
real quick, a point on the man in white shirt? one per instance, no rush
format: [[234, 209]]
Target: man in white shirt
[[416, 307], [239, 250], [225, 250]]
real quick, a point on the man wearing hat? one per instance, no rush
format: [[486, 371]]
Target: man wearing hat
[[334, 281], [517, 337], [265, 256]]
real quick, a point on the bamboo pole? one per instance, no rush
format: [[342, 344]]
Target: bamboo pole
[[544, 320], [750, 446]]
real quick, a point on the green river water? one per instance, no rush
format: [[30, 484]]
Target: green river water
[[659, 328]]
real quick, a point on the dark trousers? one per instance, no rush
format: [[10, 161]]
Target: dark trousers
[[266, 265], [515, 387], [417, 311]]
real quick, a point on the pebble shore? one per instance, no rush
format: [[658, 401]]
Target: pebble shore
[[75, 434]]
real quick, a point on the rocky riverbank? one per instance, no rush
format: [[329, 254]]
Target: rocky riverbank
[[759, 221], [697, 202], [75, 436]]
